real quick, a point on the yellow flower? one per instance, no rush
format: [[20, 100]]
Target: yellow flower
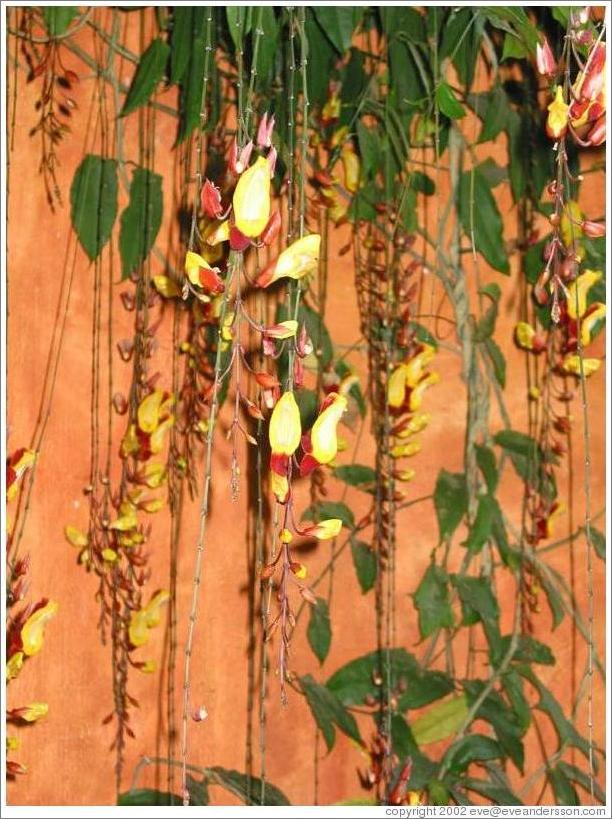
[[130, 443], [416, 395], [285, 429], [284, 329], [296, 261], [405, 450], [33, 631], [252, 199], [323, 436], [324, 530], [149, 667], [415, 367], [416, 424], [75, 537], [556, 123], [146, 618], [578, 290], [12, 744], [166, 286], [154, 475], [126, 521], [352, 168], [396, 388], [22, 464], [109, 555], [14, 665], [279, 485], [595, 315], [33, 711], [571, 364], [218, 233], [156, 441], [570, 227], [405, 475]]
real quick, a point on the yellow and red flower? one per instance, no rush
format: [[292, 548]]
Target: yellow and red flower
[[320, 445]]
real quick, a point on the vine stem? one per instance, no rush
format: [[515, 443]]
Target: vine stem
[[235, 263]]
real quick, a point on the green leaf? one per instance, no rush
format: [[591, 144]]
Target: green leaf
[[514, 49], [506, 725], [477, 598], [421, 183], [447, 101], [565, 793], [192, 76], [149, 72], [497, 359], [308, 405], [357, 475], [354, 683], [441, 721], [268, 44], [180, 43], [93, 199], [480, 218], [485, 458], [198, 795], [369, 148], [547, 703], [495, 113], [461, 37], [481, 530], [471, 748], [338, 23], [328, 711], [422, 334], [239, 22], [582, 778], [343, 369], [330, 509], [148, 796], [553, 596], [242, 785], [432, 601], [517, 129], [514, 689], [523, 450], [450, 501], [402, 740], [598, 541], [319, 629], [58, 18], [141, 220], [498, 794], [365, 564]]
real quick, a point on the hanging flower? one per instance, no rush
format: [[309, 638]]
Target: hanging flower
[[252, 199], [591, 322], [545, 59], [29, 713], [146, 618], [264, 131], [321, 443], [577, 292], [556, 123], [284, 329], [201, 274], [571, 365], [324, 530], [528, 339], [352, 167], [285, 430], [16, 466], [33, 630], [210, 199], [296, 261]]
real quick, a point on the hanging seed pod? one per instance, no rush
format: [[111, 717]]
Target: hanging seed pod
[[128, 300], [126, 349], [120, 403]]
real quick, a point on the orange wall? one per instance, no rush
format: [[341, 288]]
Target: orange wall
[[68, 752]]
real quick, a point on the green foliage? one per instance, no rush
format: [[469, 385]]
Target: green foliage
[[150, 71], [93, 199], [432, 601], [441, 721], [328, 712], [366, 565], [450, 501], [481, 219], [58, 18], [319, 629], [358, 475], [141, 220]]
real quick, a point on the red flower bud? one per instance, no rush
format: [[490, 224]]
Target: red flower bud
[[210, 200]]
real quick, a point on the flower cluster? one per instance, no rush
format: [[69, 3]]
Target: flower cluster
[[405, 390], [25, 628]]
